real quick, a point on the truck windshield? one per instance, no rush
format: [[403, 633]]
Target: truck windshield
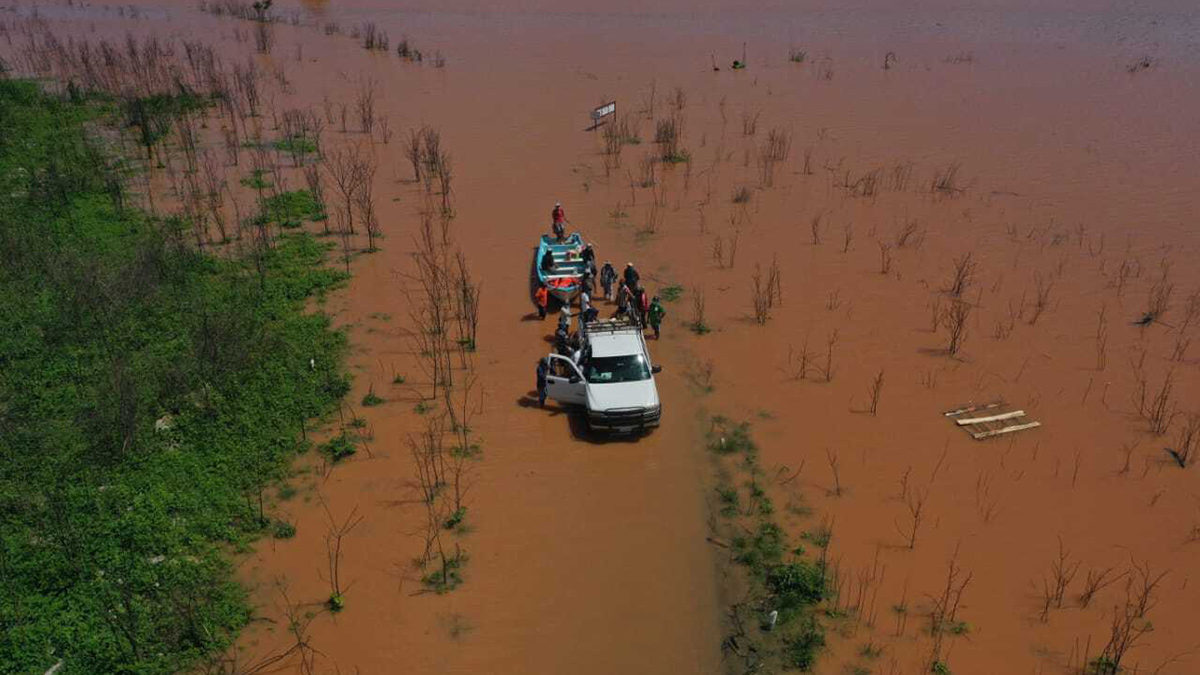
[[609, 369]]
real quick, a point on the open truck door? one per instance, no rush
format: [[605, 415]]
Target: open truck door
[[564, 382]]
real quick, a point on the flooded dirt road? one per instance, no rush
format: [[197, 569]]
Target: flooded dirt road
[[1073, 186]]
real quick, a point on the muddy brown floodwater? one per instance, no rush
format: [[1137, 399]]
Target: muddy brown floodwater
[[1073, 132]]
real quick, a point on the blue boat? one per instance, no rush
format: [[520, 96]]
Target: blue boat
[[563, 278]]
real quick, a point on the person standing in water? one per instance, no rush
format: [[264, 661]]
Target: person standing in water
[[558, 221], [542, 297], [608, 277], [542, 369], [656, 314]]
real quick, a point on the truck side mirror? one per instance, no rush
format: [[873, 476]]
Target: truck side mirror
[[574, 379], [656, 369]]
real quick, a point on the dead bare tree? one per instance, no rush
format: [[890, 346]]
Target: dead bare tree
[[827, 370], [364, 200], [336, 534], [1186, 441], [1162, 408], [875, 390], [955, 321], [1097, 580], [1041, 301], [412, 151], [760, 296], [834, 467], [962, 275], [914, 502], [364, 103]]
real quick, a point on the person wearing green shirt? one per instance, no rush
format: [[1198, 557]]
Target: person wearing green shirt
[[656, 313]]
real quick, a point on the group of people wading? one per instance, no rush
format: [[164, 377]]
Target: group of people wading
[[633, 301]]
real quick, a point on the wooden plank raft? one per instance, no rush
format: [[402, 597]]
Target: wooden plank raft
[[995, 422]]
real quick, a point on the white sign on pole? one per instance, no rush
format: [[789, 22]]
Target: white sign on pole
[[603, 111]]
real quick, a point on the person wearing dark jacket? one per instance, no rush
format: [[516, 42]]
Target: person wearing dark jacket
[[608, 277], [624, 300], [547, 261], [588, 280], [631, 276], [588, 256], [543, 368]]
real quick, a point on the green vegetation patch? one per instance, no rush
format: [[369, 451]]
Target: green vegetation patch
[[296, 145], [290, 209], [148, 396], [776, 627]]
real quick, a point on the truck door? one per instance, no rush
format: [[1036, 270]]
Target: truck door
[[564, 382]]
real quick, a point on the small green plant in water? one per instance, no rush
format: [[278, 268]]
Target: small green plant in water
[[455, 518], [284, 530], [371, 399], [339, 447], [297, 145], [397, 379], [336, 603], [671, 293], [447, 576], [256, 180], [939, 668], [421, 408]]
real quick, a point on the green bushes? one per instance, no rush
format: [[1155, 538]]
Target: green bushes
[[290, 209], [782, 587], [148, 395]]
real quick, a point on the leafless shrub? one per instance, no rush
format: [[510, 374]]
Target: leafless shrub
[[1162, 408], [962, 275], [796, 366], [1041, 301], [778, 146], [885, 258], [943, 616], [668, 135], [1101, 338], [901, 174], [741, 195], [914, 503], [1186, 440], [834, 467], [875, 390], [945, 181], [364, 200], [908, 229], [955, 321], [750, 123], [830, 343], [1062, 572], [374, 37], [364, 103], [334, 537], [814, 228], [866, 185], [1096, 581], [760, 296], [806, 167], [1183, 331], [264, 37], [847, 237], [699, 322]]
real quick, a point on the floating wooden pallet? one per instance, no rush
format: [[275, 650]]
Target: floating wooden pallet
[[994, 421]]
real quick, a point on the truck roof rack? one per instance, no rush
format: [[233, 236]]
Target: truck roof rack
[[609, 326]]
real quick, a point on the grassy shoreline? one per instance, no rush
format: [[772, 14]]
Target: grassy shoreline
[[149, 393]]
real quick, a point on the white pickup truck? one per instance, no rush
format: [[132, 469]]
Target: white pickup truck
[[612, 378]]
